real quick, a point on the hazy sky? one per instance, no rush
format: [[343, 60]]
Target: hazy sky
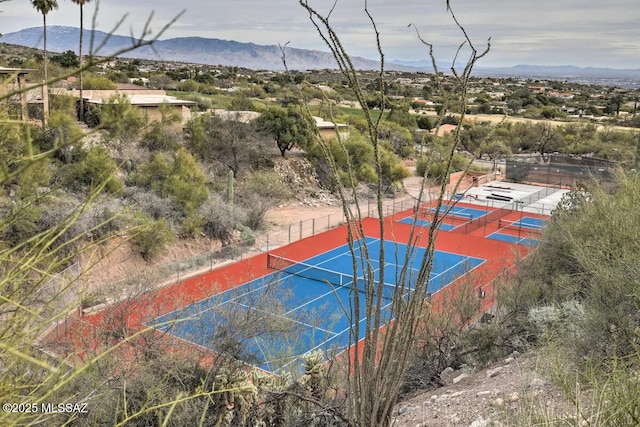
[[598, 33]]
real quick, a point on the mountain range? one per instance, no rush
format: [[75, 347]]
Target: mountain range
[[214, 51], [196, 50]]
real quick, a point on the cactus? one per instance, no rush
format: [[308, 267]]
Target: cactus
[[230, 188]]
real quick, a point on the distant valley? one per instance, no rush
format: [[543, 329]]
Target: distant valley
[[213, 51]]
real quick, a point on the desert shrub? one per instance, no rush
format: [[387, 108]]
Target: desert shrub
[[400, 114], [357, 155], [435, 166], [157, 207], [122, 121], [94, 167], [443, 338], [55, 210], [91, 81], [63, 104], [163, 134], [160, 137], [151, 236], [257, 193], [219, 219], [19, 222], [64, 128], [178, 176], [187, 183], [104, 218], [13, 147], [587, 256], [152, 174]]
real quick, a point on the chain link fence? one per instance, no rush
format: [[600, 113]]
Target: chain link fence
[[555, 173], [159, 276]]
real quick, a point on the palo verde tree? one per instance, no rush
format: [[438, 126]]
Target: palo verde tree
[[378, 364]]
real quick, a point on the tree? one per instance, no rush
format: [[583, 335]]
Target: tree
[[67, 59], [378, 363], [287, 126], [494, 149], [398, 137], [400, 115], [44, 7], [232, 142], [81, 3], [162, 81], [424, 123]]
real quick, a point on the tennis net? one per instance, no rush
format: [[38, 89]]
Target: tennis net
[[313, 272], [520, 227], [430, 212]]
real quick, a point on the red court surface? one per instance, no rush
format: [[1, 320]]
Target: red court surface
[[84, 334]]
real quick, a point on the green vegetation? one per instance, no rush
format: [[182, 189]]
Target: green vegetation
[[287, 126], [493, 141], [67, 192], [359, 113]]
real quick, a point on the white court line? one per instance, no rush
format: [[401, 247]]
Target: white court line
[[313, 300], [457, 264], [270, 281], [369, 239], [287, 318]]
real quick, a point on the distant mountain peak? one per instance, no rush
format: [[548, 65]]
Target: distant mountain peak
[[199, 50]]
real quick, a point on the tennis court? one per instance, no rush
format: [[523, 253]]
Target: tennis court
[[460, 212], [522, 231], [456, 215], [300, 306]]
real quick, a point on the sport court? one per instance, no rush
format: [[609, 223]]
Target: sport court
[[453, 216], [523, 231], [302, 305]]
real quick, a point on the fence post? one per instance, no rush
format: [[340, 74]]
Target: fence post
[[313, 226], [329, 222], [289, 233], [300, 231]]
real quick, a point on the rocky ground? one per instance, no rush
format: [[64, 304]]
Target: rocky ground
[[505, 394]]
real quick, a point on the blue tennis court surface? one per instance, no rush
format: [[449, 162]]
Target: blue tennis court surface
[[455, 211], [461, 212], [523, 227], [513, 239], [269, 322], [529, 222], [423, 223]]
